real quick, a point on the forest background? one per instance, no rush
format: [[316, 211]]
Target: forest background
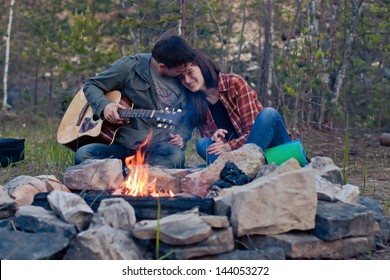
[[315, 61]]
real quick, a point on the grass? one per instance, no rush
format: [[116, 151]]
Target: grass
[[365, 176], [345, 153], [43, 154]]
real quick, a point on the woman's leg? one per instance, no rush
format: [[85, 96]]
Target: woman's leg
[[101, 151], [202, 146], [268, 130]]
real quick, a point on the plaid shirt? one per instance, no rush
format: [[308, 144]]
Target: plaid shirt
[[242, 105]]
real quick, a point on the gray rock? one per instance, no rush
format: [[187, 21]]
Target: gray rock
[[103, 243], [18, 245], [339, 220], [37, 219]]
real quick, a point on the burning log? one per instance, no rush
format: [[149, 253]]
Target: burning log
[[146, 207]]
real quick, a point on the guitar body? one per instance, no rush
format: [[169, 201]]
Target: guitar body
[[80, 127]]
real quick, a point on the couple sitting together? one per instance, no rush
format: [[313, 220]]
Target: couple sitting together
[[223, 107]]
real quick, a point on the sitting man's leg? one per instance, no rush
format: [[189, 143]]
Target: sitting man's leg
[[164, 154], [101, 151]]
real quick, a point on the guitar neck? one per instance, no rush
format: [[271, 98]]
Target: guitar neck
[[136, 113]]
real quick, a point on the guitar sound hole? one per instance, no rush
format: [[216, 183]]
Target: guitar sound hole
[[95, 117], [87, 125]]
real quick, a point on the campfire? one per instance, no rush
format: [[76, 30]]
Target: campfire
[[137, 181]]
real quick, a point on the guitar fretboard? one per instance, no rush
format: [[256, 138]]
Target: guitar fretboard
[[136, 113]]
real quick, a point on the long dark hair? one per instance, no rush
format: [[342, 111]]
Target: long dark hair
[[210, 71]]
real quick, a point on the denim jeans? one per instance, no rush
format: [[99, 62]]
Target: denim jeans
[[268, 131], [158, 154]]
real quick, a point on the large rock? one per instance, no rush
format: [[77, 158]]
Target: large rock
[[94, 175], [37, 219], [249, 158], [71, 208], [52, 183], [302, 245], [328, 191], [221, 241], [114, 212], [18, 245], [8, 206], [23, 189], [340, 220], [177, 229], [326, 168], [165, 180], [272, 204], [103, 243]]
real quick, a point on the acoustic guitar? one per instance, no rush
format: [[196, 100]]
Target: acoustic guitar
[[80, 126]]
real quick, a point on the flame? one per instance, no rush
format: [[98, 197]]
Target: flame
[[137, 182]]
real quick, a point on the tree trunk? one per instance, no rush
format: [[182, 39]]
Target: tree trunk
[[223, 58], [241, 37], [266, 74], [182, 20], [194, 23], [357, 9], [7, 51], [259, 58]]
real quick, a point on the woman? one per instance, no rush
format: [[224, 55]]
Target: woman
[[227, 111]]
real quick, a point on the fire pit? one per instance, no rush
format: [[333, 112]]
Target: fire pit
[[141, 193]]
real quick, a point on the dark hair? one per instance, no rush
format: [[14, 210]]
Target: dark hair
[[210, 71], [172, 51]]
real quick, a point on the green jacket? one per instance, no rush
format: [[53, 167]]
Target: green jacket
[[131, 76]]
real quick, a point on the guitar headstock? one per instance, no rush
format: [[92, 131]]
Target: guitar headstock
[[167, 118]]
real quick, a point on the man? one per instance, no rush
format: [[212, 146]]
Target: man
[[150, 82]]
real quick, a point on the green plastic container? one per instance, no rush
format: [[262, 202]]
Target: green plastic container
[[284, 152]]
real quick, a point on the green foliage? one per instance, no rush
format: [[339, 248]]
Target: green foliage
[[81, 49], [57, 45]]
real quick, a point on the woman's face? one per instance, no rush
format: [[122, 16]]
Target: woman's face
[[193, 79]]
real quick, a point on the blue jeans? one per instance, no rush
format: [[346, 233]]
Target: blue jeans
[[268, 131], [158, 154]]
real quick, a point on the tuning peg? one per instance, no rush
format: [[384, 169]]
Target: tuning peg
[[164, 120], [159, 125], [179, 110]]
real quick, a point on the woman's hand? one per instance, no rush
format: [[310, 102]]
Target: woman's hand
[[111, 113], [219, 134], [218, 147]]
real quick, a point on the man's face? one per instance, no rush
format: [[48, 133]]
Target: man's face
[[175, 71]]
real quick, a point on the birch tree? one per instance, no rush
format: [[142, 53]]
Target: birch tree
[[7, 51], [357, 7], [267, 61]]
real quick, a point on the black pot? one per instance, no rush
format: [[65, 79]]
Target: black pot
[[11, 151]]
